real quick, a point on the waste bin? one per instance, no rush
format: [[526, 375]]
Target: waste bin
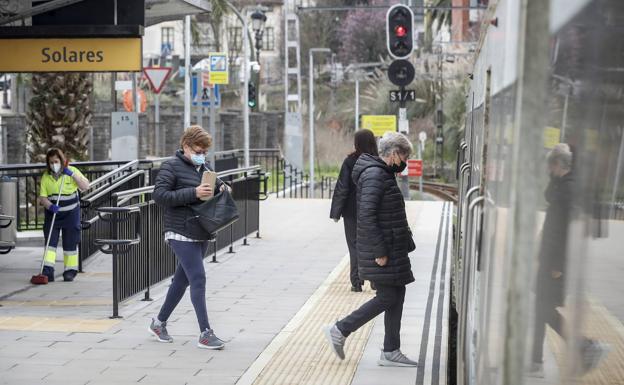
[[8, 213]]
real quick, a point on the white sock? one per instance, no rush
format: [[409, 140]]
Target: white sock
[[156, 321]]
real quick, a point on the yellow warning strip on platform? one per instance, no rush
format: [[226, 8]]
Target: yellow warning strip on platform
[[52, 324], [304, 357], [600, 325], [60, 303]]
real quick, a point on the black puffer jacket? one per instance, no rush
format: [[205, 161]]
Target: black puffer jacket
[[175, 191], [343, 200], [382, 228]]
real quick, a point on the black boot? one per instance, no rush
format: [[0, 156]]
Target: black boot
[[69, 275], [356, 288], [48, 271]]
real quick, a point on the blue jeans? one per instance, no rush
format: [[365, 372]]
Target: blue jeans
[[190, 271]]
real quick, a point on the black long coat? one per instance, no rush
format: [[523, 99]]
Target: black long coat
[[175, 191], [343, 200], [554, 243], [382, 228]]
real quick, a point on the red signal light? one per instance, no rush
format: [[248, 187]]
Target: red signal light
[[400, 31]]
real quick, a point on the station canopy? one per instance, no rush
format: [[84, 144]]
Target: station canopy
[[156, 11]]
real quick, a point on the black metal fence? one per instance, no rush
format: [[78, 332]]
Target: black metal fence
[[140, 255], [30, 213]]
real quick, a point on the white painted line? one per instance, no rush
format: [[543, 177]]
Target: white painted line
[[252, 373]]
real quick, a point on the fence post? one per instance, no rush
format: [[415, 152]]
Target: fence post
[[115, 254], [214, 255], [246, 208], [150, 251]]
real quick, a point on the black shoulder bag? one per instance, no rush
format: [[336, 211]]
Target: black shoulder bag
[[217, 213]]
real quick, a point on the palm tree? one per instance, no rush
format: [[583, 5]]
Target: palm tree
[[59, 115], [439, 17]]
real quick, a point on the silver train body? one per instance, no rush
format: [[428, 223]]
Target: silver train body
[[546, 72]]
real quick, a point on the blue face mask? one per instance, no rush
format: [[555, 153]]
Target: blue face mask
[[198, 160]]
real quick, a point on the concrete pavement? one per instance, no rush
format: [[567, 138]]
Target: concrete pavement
[[61, 333]]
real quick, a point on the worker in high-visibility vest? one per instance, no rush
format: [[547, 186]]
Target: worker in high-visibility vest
[[67, 212]]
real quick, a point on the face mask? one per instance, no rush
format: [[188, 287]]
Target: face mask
[[398, 168], [198, 160], [56, 167]]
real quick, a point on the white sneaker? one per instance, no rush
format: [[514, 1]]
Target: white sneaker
[[335, 339], [395, 358], [592, 353]]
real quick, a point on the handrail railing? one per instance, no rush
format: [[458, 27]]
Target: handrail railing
[[112, 187], [105, 177], [140, 256]]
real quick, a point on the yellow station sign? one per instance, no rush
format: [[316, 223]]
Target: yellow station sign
[[59, 55], [379, 124]]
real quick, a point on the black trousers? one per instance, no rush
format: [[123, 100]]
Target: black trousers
[[389, 299], [350, 227], [549, 296]]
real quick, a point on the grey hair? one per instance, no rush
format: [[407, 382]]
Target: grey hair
[[561, 155], [394, 142]]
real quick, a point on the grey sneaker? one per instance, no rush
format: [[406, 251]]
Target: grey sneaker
[[160, 331], [208, 340], [336, 340], [536, 370], [592, 353], [395, 358]]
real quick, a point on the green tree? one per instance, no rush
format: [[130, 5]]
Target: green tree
[[59, 115]]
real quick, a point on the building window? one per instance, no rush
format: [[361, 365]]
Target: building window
[[166, 41], [268, 39]]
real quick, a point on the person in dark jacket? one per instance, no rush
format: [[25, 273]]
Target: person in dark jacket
[[178, 186], [383, 247], [552, 259], [344, 200]]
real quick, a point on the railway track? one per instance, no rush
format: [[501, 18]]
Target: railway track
[[446, 192]]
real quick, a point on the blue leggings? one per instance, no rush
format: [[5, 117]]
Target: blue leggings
[[190, 271]]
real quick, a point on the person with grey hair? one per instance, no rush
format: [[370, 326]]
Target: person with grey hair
[[552, 258], [383, 243]]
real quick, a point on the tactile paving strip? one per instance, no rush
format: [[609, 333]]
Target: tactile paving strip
[[305, 358], [600, 325], [50, 324]]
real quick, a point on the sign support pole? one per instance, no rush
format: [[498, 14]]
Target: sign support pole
[[357, 100], [187, 71], [200, 108], [420, 179], [157, 121], [212, 98]]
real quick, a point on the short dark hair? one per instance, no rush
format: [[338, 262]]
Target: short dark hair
[[53, 151], [365, 143]]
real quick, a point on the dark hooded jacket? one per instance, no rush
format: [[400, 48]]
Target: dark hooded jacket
[[175, 191], [343, 200], [382, 228]]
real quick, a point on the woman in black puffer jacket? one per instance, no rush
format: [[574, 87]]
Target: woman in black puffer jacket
[[383, 243], [344, 200]]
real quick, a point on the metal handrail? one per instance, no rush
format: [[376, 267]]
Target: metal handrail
[[28, 166], [126, 194], [111, 173], [463, 305], [92, 198]]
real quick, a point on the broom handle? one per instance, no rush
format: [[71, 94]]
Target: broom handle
[[58, 199]]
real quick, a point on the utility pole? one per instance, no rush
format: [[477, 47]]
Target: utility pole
[[187, 71], [311, 113]]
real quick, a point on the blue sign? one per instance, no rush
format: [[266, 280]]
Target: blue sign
[[204, 94]]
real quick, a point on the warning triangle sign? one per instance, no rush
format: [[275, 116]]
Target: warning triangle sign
[[157, 76]]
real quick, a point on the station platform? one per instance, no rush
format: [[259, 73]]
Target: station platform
[[268, 301]]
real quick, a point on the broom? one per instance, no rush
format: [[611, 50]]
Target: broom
[[41, 279]]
